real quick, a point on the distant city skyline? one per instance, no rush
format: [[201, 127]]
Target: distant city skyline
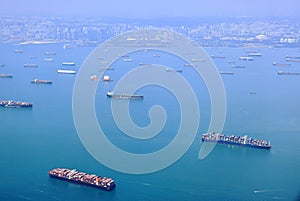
[[151, 9]]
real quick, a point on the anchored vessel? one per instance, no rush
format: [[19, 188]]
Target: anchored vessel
[[74, 176], [246, 58], [174, 70], [68, 63], [11, 103], [280, 64], [287, 73], [50, 53], [30, 65], [48, 59], [226, 72], [125, 96], [6, 76], [236, 140], [18, 51], [66, 71], [254, 54], [41, 81]]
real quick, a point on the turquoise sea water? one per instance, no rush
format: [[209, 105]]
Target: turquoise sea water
[[36, 140]]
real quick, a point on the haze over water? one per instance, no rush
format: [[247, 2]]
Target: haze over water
[[44, 137]]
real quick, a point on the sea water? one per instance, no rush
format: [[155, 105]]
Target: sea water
[[33, 141]]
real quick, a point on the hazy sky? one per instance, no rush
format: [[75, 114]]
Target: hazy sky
[[150, 8]]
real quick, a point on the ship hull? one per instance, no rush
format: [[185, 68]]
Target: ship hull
[[237, 144], [15, 104], [126, 96], [110, 188]]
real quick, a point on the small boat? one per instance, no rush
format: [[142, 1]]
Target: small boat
[[66, 71], [37, 81], [252, 92], [94, 77], [106, 78], [2, 65]]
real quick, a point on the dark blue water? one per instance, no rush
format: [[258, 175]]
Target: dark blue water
[[36, 140]]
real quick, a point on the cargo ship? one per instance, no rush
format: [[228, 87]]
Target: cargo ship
[[244, 141], [37, 81], [254, 54], [6, 76], [68, 63], [287, 73], [226, 72], [30, 65], [280, 64], [83, 178], [18, 51], [174, 70], [237, 66], [66, 71], [246, 58], [217, 57], [48, 59], [124, 96], [50, 53], [14, 104]]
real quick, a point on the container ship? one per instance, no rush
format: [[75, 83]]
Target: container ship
[[236, 140], [287, 73], [18, 51], [6, 76], [74, 176], [280, 64], [31, 65], [68, 63], [124, 96], [254, 54], [246, 58], [37, 81], [50, 53], [66, 71], [14, 104], [226, 72]]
